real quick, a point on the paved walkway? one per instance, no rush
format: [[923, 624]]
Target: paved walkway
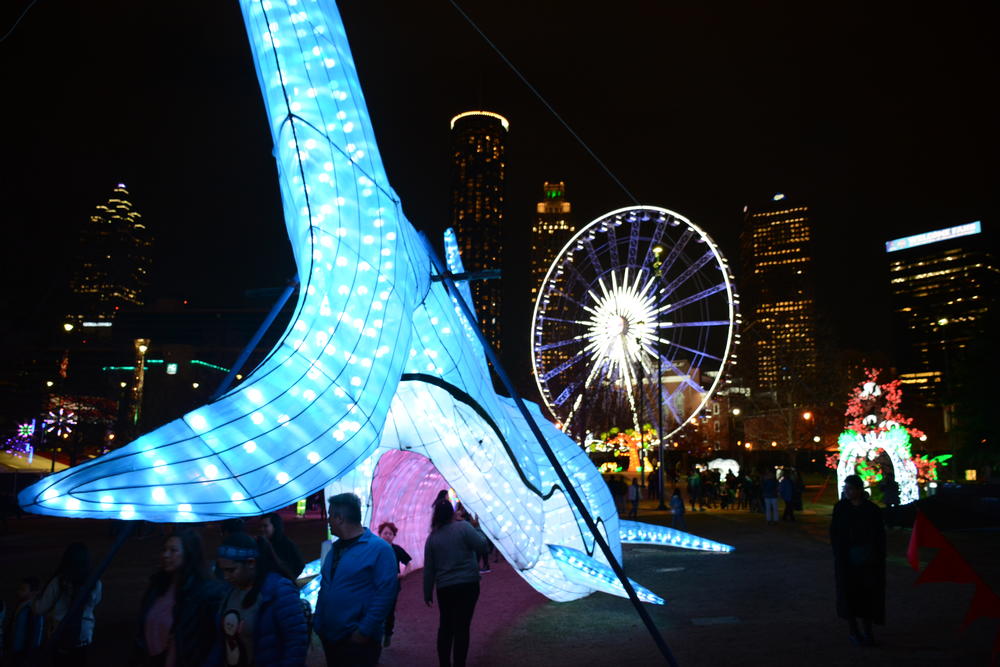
[[768, 603], [38, 463]]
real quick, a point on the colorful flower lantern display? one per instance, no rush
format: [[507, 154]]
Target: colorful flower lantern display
[[875, 426], [60, 422]]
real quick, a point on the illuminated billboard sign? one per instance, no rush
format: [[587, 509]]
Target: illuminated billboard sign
[[933, 237]]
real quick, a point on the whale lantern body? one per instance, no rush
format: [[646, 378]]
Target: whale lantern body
[[376, 360]]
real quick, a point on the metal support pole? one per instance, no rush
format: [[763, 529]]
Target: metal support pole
[[658, 269], [252, 345], [540, 437], [642, 413], [659, 418]]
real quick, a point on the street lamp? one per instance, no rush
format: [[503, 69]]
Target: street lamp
[[67, 327], [141, 347]]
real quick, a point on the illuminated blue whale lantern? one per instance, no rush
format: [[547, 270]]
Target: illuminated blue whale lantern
[[378, 362]]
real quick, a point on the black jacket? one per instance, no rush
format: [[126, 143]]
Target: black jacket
[[857, 535], [195, 609]]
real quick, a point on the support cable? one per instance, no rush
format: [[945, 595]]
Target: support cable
[[545, 102]]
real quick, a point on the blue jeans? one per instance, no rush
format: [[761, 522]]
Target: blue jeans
[[771, 509]]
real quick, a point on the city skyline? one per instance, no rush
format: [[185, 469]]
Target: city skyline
[[874, 171]]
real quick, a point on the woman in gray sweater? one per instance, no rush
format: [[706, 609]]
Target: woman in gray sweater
[[451, 563]]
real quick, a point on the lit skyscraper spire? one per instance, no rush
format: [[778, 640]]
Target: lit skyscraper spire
[[552, 229], [550, 232], [113, 260]]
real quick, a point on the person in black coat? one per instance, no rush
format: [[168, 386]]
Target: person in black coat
[[273, 530], [177, 614], [857, 535]]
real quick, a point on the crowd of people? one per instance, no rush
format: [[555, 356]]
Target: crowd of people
[[714, 489], [242, 607], [246, 608]]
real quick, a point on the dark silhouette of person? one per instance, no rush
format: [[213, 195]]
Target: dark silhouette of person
[[273, 530], [857, 535]]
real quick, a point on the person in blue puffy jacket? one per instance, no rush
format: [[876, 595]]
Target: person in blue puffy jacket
[[261, 621]]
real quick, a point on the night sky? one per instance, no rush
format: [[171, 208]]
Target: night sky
[[880, 116]]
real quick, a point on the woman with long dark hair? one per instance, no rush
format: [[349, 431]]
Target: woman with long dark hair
[[451, 565], [176, 617], [262, 619], [58, 596], [273, 530]]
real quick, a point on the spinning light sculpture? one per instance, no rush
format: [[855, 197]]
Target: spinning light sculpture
[[377, 360]]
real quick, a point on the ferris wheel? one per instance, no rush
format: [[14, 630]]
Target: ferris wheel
[[640, 294]]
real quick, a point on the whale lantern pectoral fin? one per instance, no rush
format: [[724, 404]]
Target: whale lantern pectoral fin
[[585, 570], [636, 532]]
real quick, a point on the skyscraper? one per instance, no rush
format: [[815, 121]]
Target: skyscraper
[[778, 296], [477, 194], [552, 229], [113, 262], [943, 283]]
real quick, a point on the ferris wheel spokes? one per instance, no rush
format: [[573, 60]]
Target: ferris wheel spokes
[[707, 323], [675, 251], [685, 378], [612, 243], [686, 301], [653, 243], [683, 277], [697, 353]]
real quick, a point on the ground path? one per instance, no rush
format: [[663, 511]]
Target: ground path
[[769, 603]]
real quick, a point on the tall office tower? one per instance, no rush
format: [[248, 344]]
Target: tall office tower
[[553, 228], [477, 194], [779, 334], [113, 262], [943, 284], [551, 231]]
